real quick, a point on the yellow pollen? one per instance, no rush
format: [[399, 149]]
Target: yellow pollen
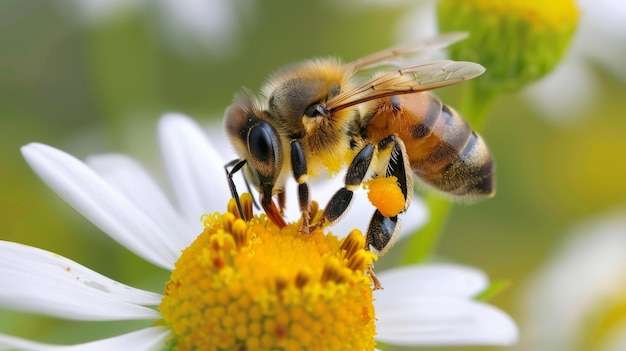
[[248, 285], [385, 194]]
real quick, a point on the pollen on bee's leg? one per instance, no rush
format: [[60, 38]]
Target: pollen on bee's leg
[[385, 194]]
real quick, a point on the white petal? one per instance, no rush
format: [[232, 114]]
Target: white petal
[[359, 213], [102, 204], [135, 182], [443, 321], [149, 339], [196, 168], [42, 282], [438, 279]]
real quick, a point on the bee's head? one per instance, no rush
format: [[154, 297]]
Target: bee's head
[[256, 140]]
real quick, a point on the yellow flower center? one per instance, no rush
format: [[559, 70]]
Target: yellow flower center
[[555, 13], [252, 286]]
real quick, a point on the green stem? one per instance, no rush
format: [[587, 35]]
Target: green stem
[[474, 107], [419, 246]]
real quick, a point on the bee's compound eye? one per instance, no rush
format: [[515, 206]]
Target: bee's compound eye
[[264, 147], [260, 142]]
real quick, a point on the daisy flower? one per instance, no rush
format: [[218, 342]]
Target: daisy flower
[[238, 284], [576, 301]]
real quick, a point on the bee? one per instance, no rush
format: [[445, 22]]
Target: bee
[[315, 117]]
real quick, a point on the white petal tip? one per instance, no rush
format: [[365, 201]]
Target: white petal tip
[[445, 321]]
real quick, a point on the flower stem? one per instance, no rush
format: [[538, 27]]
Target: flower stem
[[420, 245], [475, 104], [474, 107]]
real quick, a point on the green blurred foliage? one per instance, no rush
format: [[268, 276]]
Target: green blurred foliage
[[101, 88]]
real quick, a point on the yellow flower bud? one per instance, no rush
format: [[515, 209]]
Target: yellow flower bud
[[517, 41]]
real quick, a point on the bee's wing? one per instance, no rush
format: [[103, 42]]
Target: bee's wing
[[407, 80], [387, 56]]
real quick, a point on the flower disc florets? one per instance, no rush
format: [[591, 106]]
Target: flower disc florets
[[248, 285]]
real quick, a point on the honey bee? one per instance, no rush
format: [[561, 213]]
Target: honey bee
[[315, 117]]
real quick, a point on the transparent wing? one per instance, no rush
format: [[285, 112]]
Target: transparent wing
[[412, 79], [387, 56]]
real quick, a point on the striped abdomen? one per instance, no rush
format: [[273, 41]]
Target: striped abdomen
[[443, 150]]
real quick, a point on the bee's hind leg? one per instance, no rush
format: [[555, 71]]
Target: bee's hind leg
[[386, 158], [383, 229]]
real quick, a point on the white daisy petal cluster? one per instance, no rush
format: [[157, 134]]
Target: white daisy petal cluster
[[577, 301], [421, 305]]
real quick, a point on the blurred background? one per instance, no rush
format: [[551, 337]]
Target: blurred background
[[94, 76]]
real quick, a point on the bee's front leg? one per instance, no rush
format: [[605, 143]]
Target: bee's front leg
[[300, 173]]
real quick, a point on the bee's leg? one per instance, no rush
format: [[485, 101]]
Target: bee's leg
[[383, 230], [355, 174], [391, 160], [237, 164], [300, 173]]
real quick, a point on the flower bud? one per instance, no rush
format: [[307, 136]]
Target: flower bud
[[517, 41]]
